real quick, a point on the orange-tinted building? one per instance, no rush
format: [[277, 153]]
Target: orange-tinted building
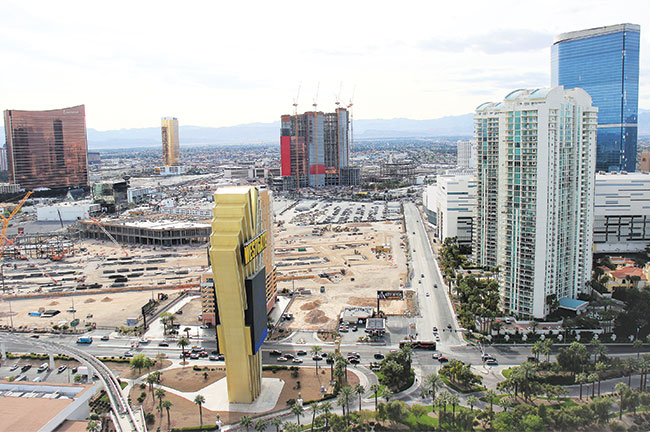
[[47, 148]]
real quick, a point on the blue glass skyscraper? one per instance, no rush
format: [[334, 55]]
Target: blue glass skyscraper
[[604, 61]]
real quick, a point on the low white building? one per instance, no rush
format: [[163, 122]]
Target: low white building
[[622, 212], [450, 206], [138, 195], [171, 170], [68, 212]]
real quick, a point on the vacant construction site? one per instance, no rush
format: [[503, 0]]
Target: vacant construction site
[[335, 266]]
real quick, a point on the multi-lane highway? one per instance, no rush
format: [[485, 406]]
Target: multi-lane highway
[[435, 308]]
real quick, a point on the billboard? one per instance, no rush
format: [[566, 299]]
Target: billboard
[[253, 248], [255, 313], [390, 295]]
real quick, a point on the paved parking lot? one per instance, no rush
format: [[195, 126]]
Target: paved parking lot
[[319, 212]]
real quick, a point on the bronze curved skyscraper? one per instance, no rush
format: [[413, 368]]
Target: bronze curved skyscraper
[[47, 148]]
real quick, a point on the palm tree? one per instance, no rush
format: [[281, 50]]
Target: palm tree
[[139, 362], [315, 350], [245, 421], [491, 395], [277, 422], [600, 367], [160, 395], [375, 392], [315, 409], [260, 425], [408, 350], [432, 382], [600, 350], [629, 367], [359, 390], [547, 348], [644, 365], [442, 400], [387, 395], [536, 349], [620, 388], [581, 379], [297, 410], [637, 344], [593, 377], [200, 400], [152, 378], [472, 400], [453, 400], [344, 397], [167, 404], [326, 409], [183, 343]]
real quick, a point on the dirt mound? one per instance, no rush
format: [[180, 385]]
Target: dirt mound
[[316, 317], [107, 299], [311, 305], [54, 303], [362, 301], [90, 300]]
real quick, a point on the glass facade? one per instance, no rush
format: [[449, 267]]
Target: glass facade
[[47, 148], [605, 63]]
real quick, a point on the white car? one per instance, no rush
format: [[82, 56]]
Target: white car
[[297, 360]]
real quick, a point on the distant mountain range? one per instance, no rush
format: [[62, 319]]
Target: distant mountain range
[[257, 133]]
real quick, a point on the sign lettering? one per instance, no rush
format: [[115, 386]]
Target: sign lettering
[[253, 248]]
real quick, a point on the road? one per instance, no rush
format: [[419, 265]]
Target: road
[[435, 308]]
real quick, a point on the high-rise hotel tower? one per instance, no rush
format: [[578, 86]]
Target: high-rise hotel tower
[[314, 149], [170, 141], [535, 195], [604, 61]]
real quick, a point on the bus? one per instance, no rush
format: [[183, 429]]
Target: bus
[[85, 340], [419, 344]]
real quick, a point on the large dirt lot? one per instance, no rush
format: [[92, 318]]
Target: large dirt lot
[[109, 309], [307, 254], [102, 262]]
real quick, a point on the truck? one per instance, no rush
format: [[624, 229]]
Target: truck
[[85, 340]]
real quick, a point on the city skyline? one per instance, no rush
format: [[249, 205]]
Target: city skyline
[[223, 74]]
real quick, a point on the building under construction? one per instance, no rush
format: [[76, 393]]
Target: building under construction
[[51, 246], [315, 149], [397, 170], [147, 232]]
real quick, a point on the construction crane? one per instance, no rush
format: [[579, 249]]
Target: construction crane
[[351, 120], [5, 222], [96, 221]]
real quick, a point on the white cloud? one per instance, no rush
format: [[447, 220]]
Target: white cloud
[[225, 63]]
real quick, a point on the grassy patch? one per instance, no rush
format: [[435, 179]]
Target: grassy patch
[[507, 372], [463, 390], [424, 422]]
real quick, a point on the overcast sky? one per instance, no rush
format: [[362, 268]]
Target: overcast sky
[[222, 63]]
